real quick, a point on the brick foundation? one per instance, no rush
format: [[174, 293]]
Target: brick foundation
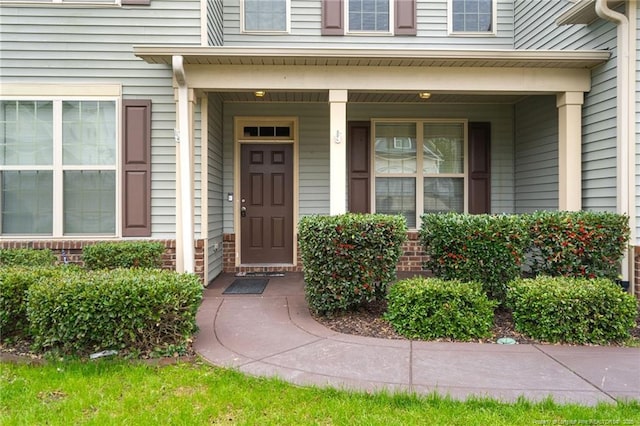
[[411, 259], [70, 251]]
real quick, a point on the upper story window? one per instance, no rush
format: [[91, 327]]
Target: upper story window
[[472, 16], [58, 168], [368, 15], [265, 15], [385, 17]]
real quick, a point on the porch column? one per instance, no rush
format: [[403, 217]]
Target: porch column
[[184, 172], [570, 150], [338, 151]]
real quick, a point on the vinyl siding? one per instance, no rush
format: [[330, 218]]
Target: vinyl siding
[[536, 29], [431, 27], [93, 45], [536, 154], [215, 35], [637, 121], [215, 193], [314, 145]]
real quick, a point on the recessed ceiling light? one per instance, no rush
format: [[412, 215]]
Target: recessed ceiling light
[[424, 95], [259, 93]]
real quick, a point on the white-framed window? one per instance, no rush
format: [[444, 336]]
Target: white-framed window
[[472, 16], [419, 167], [369, 16], [265, 15], [58, 166]]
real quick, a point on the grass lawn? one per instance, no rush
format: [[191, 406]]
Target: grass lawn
[[118, 392]]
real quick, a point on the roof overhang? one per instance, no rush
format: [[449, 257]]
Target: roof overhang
[[328, 57], [583, 12]]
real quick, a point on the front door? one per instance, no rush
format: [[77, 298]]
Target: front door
[[266, 203]]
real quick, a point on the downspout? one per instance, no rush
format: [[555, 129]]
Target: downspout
[[623, 134], [184, 166]]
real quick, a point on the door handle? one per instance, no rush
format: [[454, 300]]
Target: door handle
[[243, 211]]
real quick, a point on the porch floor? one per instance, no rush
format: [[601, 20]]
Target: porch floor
[[273, 334]]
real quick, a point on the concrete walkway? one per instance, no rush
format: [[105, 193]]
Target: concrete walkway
[[273, 334]]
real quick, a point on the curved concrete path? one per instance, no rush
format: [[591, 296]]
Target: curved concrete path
[[274, 335]]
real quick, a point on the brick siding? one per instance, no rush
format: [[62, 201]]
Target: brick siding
[[411, 259], [70, 251]]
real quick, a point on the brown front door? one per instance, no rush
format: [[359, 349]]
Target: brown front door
[[266, 203]]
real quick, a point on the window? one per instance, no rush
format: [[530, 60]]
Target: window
[[472, 16], [58, 167], [419, 168], [368, 15], [265, 15]]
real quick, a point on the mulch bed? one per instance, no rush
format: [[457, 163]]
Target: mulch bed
[[368, 321]]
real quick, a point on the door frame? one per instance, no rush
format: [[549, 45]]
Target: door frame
[[238, 140]]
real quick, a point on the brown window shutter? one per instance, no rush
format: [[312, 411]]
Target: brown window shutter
[[479, 168], [136, 168], [332, 17], [135, 2], [358, 159], [405, 17]]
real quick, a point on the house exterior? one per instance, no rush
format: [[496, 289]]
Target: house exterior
[[214, 125]]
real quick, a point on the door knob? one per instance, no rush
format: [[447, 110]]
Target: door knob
[[243, 211]]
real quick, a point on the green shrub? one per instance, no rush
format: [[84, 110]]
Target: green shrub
[[484, 248], [572, 310], [123, 254], [26, 257], [349, 259], [434, 308], [14, 283], [578, 244], [131, 310]]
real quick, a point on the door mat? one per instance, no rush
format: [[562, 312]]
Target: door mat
[[246, 286], [259, 274]]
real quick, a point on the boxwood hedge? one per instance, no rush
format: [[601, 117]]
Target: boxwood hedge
[[123, 254], [131, 310], [572, 310], [432, 308]]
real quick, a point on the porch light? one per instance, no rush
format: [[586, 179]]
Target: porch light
[[424, 95], [259, 93]]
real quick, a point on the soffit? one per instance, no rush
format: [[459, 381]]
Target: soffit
[[370, 97], [322, 57]]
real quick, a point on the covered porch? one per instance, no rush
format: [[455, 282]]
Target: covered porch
[[365, 130]]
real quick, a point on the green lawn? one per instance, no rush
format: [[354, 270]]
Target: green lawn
[[117, 392]]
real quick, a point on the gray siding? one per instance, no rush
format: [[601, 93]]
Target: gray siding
[[536, 154], [314, 145], [637, 127], [536, 29], [431, 27], [67, 45], [215, 30], [215, 193]]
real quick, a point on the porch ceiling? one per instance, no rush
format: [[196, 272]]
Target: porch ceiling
[[370, 97], [325, 57]]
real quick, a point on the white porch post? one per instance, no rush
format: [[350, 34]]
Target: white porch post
[[184, 171], [338, 151], [570, 150]]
